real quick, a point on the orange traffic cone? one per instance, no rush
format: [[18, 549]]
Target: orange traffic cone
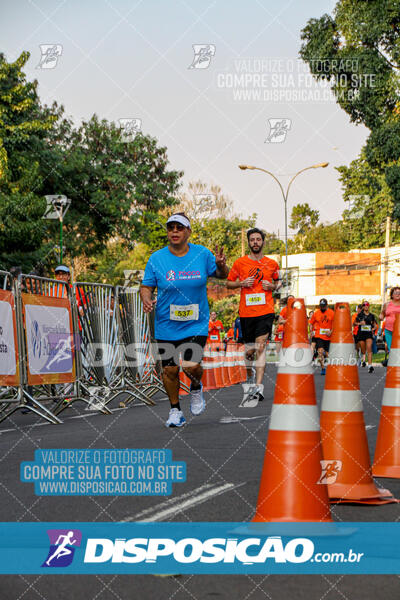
[[225, 367], [208, 378], [344, 439], [241, 363], [387, 450], [233, 372], [289, 489]]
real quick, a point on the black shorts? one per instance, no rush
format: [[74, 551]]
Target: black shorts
[[364, 335], [322, 344], [254, 327], [190, 349]]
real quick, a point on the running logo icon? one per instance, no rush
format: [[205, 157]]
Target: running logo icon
[[50, 55], [130, 129], [330, 469], [62, 547], [278, 129], [203, 54], [171, 276]]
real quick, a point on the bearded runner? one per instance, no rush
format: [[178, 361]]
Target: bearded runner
[[257, 276]]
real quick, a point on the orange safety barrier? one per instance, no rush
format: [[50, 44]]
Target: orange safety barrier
[[225, 367], [215, 351], [233, 369], [208, 379], [343, 434], [240, 363], [289, 487], [387, 450]]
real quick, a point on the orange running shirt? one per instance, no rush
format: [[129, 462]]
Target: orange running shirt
[[355, 327], [214, 328], [255, 301], [322, 321], [283, 313]]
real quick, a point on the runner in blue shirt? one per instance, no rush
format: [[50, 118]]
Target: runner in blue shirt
[[179, 272]]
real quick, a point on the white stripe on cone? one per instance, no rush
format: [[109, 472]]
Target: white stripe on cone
[[391, 397], [394, 357], [294, 417], [345, 353], [341, 401]]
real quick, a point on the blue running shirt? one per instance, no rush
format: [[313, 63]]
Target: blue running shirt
[[182, 307]]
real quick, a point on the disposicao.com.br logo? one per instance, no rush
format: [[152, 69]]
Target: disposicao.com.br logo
[[247, 551], [62, 547]]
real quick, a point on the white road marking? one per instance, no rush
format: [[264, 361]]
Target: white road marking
[[174, 505], [370, 426], [225, 420]]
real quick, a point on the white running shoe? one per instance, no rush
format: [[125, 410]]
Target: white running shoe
[[197, 401], [249, 389], [176, 418]]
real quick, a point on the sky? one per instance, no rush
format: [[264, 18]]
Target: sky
[[219, 83]]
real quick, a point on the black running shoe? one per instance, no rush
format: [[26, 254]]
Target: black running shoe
[[363, 364], [370, 369]]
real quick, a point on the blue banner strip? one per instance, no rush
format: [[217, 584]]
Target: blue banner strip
[[194, 548]]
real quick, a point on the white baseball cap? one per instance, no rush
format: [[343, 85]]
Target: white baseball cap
[[62, 269]]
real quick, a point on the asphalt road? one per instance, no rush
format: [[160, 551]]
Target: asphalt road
[[223, 450]]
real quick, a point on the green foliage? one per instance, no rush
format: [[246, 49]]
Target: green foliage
[[358, 51], [273, 245], [222, 232], [24, 124], [117, 187], [370, 202], [226, 309], [303, 218]]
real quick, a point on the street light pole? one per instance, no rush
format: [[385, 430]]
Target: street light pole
[[285, 199], [57, 206]]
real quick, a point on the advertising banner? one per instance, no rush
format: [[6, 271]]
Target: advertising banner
[[49, 339], [9, 373]]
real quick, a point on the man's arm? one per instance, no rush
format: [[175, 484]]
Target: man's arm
[[222, 270], [146, 296]]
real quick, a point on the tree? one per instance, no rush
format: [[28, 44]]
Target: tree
[[117, 187], [24, 125], [303, 218], [222, 232], [358, 51], [370, 202], [273, 245]]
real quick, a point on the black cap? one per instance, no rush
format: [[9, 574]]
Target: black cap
[[323, 302]]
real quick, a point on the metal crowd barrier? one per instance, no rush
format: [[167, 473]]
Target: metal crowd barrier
[[141, 368], [66, 390], [88, 342]]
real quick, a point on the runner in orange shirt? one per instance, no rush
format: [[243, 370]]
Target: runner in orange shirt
[[215, 328], [257, 276], [322, 321]]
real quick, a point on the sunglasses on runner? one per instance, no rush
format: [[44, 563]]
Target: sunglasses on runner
[[177, 226]]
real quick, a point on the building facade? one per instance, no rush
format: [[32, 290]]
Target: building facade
[[343, 276]]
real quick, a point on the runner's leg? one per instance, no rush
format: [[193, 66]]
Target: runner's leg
[[170, 377], [261, 344]]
